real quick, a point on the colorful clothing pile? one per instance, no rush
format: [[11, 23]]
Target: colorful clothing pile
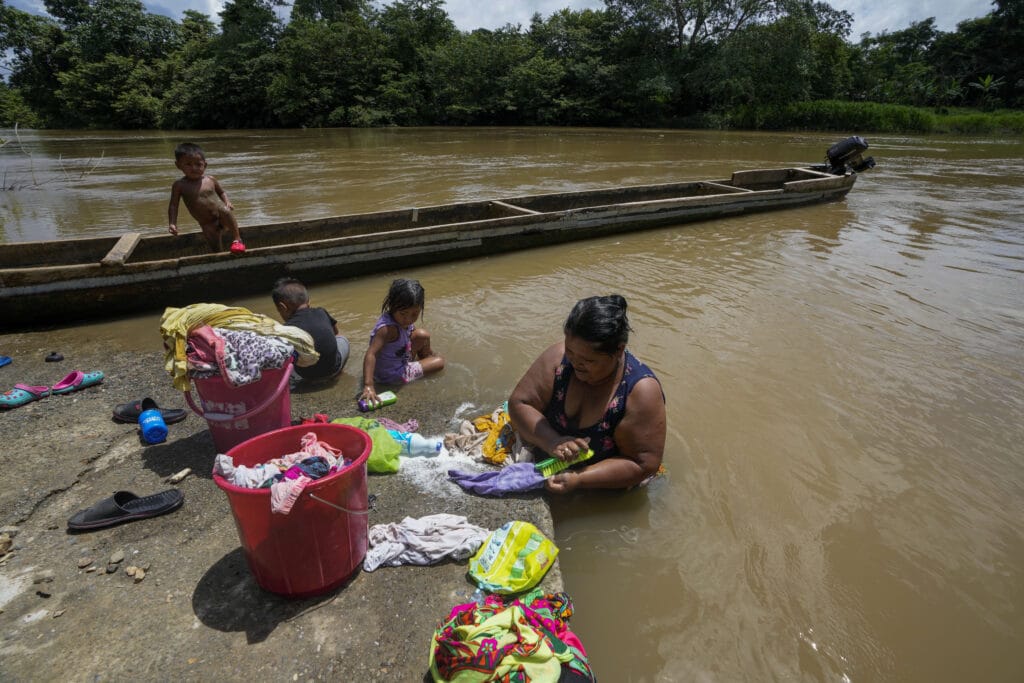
[[510, 639], [178, 323], [238, 357], [488, 438], [287, 475]]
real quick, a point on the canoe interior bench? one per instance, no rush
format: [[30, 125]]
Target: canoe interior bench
[[122, 250]]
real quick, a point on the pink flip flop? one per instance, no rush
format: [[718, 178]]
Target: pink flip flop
[[77, 380], [22, 394]]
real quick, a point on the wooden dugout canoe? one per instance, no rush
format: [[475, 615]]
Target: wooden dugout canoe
[[50, 283]]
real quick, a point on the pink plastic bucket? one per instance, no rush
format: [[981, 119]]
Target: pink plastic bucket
[[319, 544], [235, 414]]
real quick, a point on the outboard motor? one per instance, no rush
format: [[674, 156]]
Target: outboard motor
[[847, 153]]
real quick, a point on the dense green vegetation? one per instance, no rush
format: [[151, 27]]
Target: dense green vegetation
[[729, 63]]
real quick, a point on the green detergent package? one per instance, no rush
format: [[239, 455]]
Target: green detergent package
[[384, 454], [512, 559]]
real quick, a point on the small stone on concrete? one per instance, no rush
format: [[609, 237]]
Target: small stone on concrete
[[84, 562], [130, 570], [178, 476], [139, 575], [117, 557], [111, 568], [45, 576]]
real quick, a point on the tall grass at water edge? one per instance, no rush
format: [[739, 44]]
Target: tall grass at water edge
[[870, 117]]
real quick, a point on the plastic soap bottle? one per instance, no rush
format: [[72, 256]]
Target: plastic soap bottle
[[413, 443], [386, 399], [151, 422]]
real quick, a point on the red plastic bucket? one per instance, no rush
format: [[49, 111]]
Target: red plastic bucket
[[319, 544], [235, 414]]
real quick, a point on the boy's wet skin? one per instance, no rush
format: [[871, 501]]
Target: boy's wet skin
[[205, 199]]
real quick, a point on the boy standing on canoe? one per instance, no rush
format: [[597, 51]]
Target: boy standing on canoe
[[204, 198]]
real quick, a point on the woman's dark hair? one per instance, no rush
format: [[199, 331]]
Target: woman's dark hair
[[600, 320], [403, 294]]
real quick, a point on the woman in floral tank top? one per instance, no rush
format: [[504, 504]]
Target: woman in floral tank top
[[588, 391]]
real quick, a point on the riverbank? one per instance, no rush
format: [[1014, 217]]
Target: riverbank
[[197, 614]]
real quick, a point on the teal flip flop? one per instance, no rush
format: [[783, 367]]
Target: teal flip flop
[[77, 380], [22, 394]]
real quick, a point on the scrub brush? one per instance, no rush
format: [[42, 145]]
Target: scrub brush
[[553, 466]]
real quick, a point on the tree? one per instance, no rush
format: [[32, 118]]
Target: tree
[[578, 42], [411, 29], [243, 63], [896, 67], [988, 85], [326, 10], [329, 74], [32, 54]]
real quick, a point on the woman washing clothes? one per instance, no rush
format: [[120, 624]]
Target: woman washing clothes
[[588, 391]]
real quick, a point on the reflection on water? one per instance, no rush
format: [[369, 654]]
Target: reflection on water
[[844, 382]]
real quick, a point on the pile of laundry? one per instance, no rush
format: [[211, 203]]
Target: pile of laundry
[[209, 340], [511, 630], [286, 476]]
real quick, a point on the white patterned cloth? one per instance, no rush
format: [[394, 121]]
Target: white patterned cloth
[[423, 541]]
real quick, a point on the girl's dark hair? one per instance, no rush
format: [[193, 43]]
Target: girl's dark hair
[[403, 294], [600, 320]]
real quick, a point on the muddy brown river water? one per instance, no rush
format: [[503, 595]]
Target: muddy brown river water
[[845, 496]]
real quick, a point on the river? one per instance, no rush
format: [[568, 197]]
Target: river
[[845, 383]]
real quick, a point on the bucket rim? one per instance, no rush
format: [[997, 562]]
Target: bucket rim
[[360, 461]]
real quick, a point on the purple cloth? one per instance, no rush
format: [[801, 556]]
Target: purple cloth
[[522, 476]]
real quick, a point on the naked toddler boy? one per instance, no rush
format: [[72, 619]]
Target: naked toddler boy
[[204, 198]]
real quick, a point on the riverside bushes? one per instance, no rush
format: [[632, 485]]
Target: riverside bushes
[[872, 117]]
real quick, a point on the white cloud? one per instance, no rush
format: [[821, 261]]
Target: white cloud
[[876, 16], [471, 14]]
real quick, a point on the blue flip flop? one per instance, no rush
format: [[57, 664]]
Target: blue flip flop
[[77, 380], [5, 360]]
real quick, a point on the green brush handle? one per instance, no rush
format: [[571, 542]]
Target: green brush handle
[[553, 466]]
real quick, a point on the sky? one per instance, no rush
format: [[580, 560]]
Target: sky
[[872, 16]]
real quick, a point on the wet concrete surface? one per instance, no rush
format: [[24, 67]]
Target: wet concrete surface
[[197, 614]]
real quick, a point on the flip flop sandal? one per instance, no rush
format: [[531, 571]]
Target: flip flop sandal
[[125, 506], [22, 394], [5, 360], [77, 380], [129, 412]]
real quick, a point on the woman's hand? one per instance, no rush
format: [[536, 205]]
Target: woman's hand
[[568, 448], [566, 482]]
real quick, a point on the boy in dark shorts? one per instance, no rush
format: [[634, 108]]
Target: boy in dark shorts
[[292, 302], [204, 198]]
